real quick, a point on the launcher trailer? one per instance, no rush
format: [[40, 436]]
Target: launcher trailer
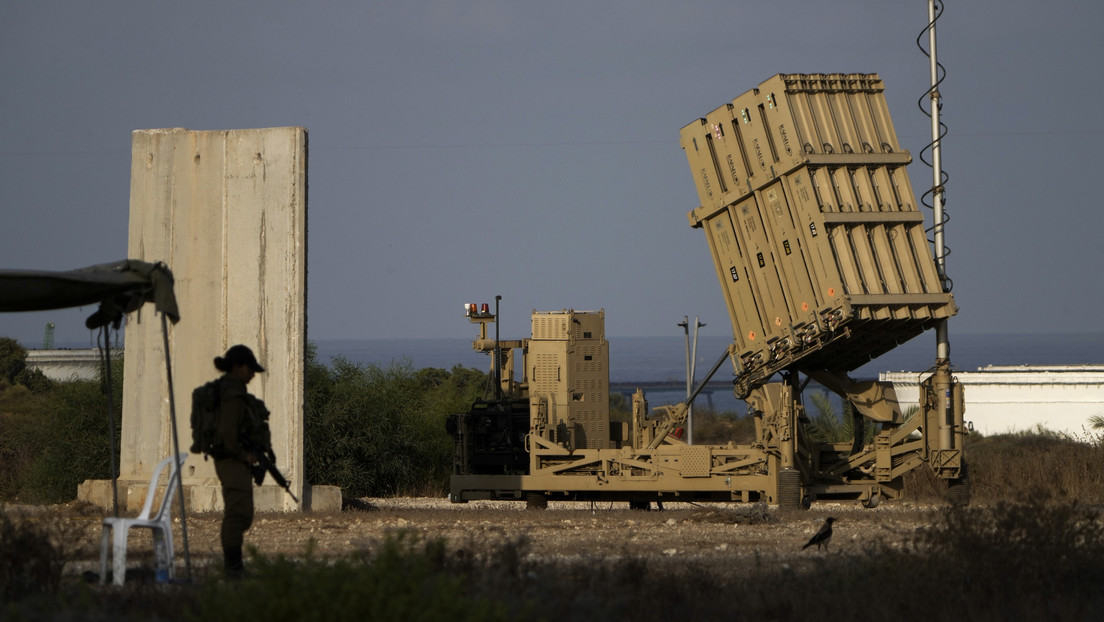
[[824, 263]]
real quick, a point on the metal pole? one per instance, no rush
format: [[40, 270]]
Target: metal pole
[[943, 346], [498, 352], [685, 324], [105, 353], [693, 376], [942, 382], [176, 449]]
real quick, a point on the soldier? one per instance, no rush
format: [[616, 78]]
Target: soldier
[[242, 417]]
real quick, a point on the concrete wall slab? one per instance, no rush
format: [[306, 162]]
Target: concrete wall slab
[[226, 210]]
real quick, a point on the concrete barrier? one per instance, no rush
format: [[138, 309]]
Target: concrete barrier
[[204, 497], [226, 211]]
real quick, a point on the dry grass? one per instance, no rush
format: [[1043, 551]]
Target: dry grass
[[1031, 547], [1024, 465], [1037, 558]]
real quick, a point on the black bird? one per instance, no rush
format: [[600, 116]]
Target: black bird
[[823, 536]]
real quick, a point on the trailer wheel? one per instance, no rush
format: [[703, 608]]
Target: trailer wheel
[[958, 490], [874, 501], [789, 489], [535, 501]]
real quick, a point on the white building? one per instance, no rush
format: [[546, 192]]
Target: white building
[[66, 365], [1001, 399]]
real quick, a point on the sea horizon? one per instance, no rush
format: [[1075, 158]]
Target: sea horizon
[[664, 359]]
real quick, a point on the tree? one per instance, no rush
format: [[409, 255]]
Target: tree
[[14, 370], [379, 431], [828, 427], [13, 359]]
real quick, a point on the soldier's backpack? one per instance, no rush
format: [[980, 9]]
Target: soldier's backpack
[[205, 419]]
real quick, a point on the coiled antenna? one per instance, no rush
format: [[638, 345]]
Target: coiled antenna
[[931, 104]]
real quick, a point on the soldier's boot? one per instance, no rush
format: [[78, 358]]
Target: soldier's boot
[[232, 561]]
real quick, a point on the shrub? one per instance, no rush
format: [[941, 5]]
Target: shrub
[[712, 428], [1023, 537], [52, 441], [1039, 462], [73, 442], [407, 579], [1035, 558], [13, 359], [34, 380], [31, 561], [378, 431]]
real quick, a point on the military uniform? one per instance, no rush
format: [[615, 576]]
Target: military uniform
[[241, 416], [233, 468]]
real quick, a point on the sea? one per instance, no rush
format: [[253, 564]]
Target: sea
[[659, 364]]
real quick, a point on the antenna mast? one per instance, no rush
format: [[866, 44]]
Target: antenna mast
[[936, 73]]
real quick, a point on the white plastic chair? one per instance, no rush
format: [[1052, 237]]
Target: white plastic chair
[[160, 526]]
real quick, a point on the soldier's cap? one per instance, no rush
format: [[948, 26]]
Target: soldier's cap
[[242, 355]]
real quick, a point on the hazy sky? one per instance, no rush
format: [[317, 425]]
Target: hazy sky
[[460, 150]]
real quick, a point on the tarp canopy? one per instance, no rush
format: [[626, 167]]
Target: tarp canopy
[[119, 287]]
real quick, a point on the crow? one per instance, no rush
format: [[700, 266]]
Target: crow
[[823, 536]]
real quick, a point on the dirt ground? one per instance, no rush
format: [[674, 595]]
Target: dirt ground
[[729, 535]]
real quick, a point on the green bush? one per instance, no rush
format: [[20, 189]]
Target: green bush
[[713, 428], [73, 441], [52, 441], [13, 359], [14, 370], [378, 431]]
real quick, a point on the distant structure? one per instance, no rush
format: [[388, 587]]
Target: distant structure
[[67, 365], [48, 337], [1019, 398]]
